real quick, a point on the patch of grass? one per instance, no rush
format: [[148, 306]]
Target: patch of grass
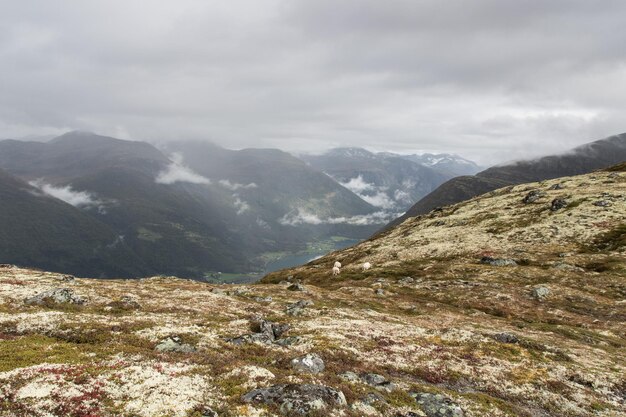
[[35, 349]]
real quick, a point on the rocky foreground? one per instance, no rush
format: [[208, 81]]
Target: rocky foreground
[[510, 304]]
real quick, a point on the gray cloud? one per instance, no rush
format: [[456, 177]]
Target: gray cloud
[[81, 199], [491, 79], [176, 171]]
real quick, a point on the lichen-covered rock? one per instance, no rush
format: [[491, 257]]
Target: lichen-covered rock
[[265, 332], [349, 376], [56, 296], [488, 260], [299, 399], [532, 196], [296, 287], [297, 308], [558, 204], [378, 381], [174, 344], [540, 293], [311, 363], [437, 405], [506, 337]]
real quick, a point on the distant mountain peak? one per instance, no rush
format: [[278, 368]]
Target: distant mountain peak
[[350, 152]]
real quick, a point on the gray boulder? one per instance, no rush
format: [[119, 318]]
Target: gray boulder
[[56, 296], [378, 381], [350, 376], [300, 399], [311, 363], [174, 344], [297, 308], [532, 196], [488, 260], [289, 341], [558, 204], [265, 332], [540, 293], [505, 337], [437, 405]]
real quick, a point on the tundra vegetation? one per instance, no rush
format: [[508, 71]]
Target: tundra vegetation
[[498, 306]]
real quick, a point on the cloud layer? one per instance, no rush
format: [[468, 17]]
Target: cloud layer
[[302, 216], [81, 199], [176, 171], [491, 80]]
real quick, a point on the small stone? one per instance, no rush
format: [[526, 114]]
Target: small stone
[[263, 299], [556, 186], [558, 204], [373, 398], [310, 363], [297, 308], [378, 381], [296, 287], [436, 405], [289, 341], [380, 292], [264, 331], [540, 293], [602, 203], [407, 280], [349, 376], [532, 196], [563, 266], [68, 278], [207, 412], [506, 337], [56, 296], [488, 260], [174, 344]]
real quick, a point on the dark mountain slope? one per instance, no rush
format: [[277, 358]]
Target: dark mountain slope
[[173, 230], [44, 232], [580, 160]]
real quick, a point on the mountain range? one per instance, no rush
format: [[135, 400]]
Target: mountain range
[[186, 209], [386, 180]]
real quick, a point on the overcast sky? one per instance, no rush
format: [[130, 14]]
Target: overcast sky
[[491, 80]]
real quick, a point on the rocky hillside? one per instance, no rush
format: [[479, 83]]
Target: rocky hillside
[[509, 304], [581, 160]]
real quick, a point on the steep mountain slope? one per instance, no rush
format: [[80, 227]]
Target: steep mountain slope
[[214, 210], [585, 158], [39, 231], [386, 180], [289, 199], [164, 223], [499, 306]]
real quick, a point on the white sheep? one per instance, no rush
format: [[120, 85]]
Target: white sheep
[[366, 266], [337, 264], [336, 271]]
